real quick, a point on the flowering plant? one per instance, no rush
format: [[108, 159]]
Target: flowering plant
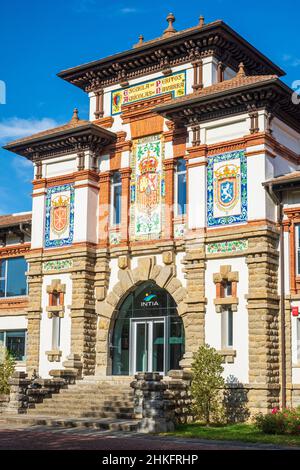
[[285, 421]]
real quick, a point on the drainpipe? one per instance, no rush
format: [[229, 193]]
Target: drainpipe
[[278, 201], [23, 230]]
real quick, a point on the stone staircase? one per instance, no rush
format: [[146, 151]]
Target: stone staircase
[[103, 403]]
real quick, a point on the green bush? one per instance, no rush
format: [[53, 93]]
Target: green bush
[[207, 385], [286, 421], [7, 367]]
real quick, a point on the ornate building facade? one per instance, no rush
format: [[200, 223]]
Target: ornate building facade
[[159, 224]]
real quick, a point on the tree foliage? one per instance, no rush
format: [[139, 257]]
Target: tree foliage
[[7, 367], [207, 385]]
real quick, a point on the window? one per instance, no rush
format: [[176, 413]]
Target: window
[[181, 186], [298, 249], [227, 328], [226, 289], [116, 193], [12, 277], [55, 331], [15, 342]]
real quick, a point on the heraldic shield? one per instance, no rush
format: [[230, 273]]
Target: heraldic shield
[[60, 214], [227, 188], [148, 184]]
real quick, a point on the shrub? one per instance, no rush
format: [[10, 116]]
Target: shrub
[[286, 421], [7, 367], [207, 385]]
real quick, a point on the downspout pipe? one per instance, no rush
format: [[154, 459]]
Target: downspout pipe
[[277, 199]]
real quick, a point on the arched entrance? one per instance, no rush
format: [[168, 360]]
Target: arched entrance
[[148, 334]]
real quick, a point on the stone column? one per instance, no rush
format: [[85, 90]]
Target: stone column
[[83, 314], [34, 313], [194, 317], [263, 318], [18, 400], [102, 273], [156, 411]]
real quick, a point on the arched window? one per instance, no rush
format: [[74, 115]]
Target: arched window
[[148, 334]]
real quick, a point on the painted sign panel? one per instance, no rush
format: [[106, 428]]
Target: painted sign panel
[[146, 187], [227, 189], [59, 226], [175, 84]]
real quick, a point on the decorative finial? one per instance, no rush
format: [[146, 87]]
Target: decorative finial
[[75, 117], [141, 39], [170, 29], [241, 71], [201, 21]]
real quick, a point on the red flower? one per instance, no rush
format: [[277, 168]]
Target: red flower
[[274, 411]]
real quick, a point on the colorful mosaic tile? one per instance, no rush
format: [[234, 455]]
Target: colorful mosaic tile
[[179, 230], [147, 188], [115, 238], [59, 223], [233, 246], [227, 189], [175, 84], [57, 265]]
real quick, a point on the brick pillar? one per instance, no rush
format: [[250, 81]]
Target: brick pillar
[[263, 318], [104, 207], [34, 313], [169, 165], [83, 314], [194, 318], [125, 178]]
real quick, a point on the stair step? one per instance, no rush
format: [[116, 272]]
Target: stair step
[[103, 423]]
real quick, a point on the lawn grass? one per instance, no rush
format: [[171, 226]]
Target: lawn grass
[[233, 432]]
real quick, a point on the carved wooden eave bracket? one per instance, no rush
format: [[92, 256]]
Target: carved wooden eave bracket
[[85, 136], [172, 49]]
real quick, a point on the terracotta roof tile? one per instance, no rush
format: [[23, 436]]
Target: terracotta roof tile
[[240, 80], [14, 219], [289, 177]]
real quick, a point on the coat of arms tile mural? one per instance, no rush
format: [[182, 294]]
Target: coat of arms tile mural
[[59, 225], [147, 187], [227, 189]]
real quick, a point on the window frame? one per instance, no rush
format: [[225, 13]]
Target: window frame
[[113, 213], [298, 339], [227, 328], [177, 174], [5, 278], [23, 330]]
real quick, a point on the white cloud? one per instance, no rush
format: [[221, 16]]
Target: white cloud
[[292, 61], [23, 168], [14, 128], [128, 10]]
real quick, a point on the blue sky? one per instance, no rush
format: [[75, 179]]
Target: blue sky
[[41, 38]]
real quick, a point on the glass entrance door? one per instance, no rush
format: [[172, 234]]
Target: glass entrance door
[[148, 345]]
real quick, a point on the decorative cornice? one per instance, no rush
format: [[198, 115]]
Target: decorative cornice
[[143, 109], [88, 136], [105, 122], [14, 250]]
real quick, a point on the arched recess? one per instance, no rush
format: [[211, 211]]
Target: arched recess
[[147, 270]]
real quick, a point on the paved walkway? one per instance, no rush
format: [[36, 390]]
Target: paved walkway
[[14, 437]]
